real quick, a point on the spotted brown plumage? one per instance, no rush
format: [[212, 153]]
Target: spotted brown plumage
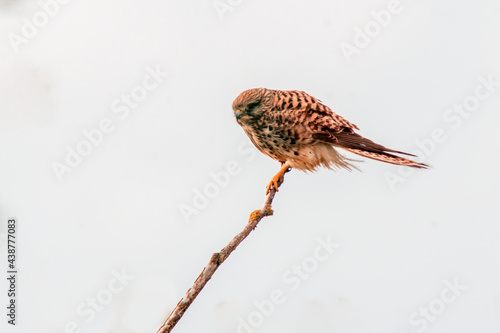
[[300, 132]]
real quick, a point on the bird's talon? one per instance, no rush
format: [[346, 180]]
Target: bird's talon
[[272, 183]]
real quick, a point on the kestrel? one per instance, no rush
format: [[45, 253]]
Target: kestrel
[[300, 132]]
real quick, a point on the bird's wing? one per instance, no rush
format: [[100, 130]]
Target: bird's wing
[[350, 140], [324, 125], [327, 126]]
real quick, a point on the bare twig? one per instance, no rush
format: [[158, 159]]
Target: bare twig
[[216, 260]]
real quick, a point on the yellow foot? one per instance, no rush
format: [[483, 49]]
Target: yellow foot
[[277, 178], [273, 183]]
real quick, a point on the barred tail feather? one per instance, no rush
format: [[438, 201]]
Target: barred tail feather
[[388, 158]]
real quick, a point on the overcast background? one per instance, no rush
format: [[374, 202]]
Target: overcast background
[[415, 251]]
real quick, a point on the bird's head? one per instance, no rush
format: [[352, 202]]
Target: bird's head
[[251, 104]]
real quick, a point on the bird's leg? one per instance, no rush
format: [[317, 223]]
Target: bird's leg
[[277, 177]]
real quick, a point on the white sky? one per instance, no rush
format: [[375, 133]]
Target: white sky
[[119, 209]]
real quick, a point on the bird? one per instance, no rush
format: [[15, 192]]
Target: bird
[[299, 131]]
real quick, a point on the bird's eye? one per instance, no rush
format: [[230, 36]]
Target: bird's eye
[[252, 106]]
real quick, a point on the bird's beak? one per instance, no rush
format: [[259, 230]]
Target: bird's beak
[[238, 114]]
